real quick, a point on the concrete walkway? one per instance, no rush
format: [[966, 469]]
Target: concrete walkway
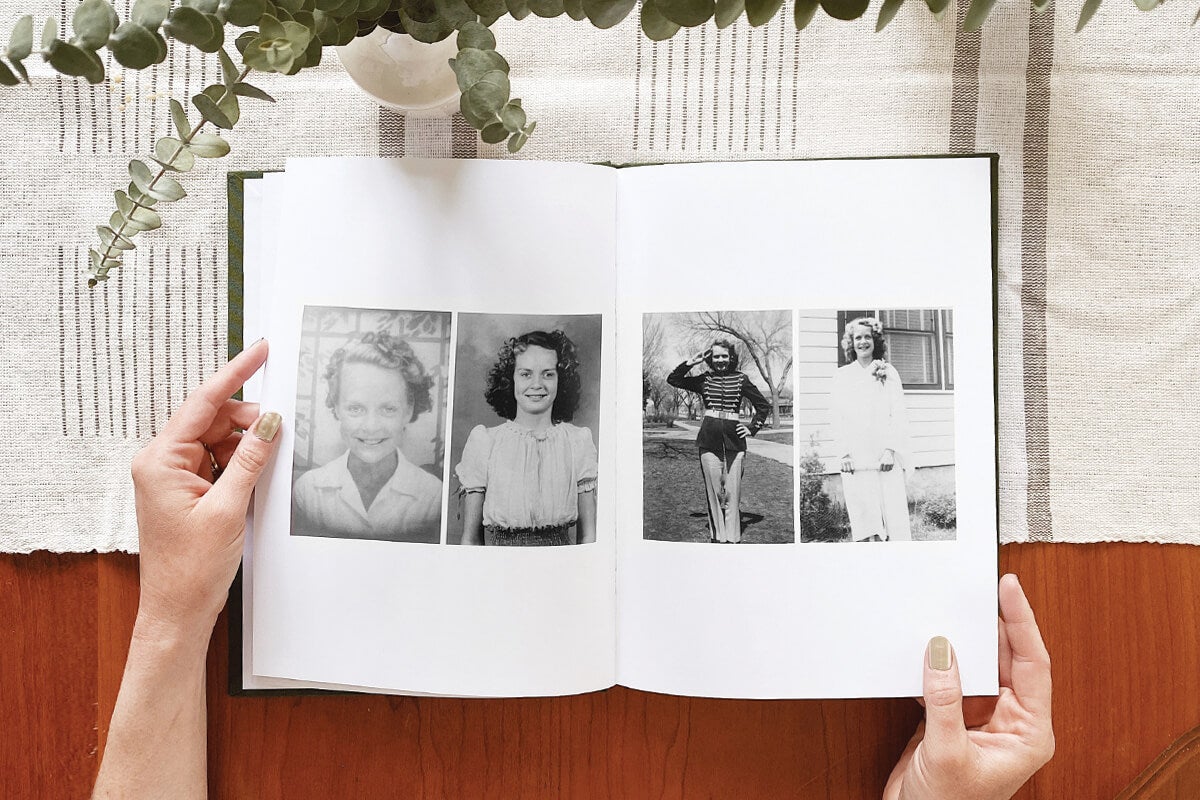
[[760, 447]]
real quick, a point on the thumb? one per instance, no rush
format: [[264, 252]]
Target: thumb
[[945, 730], [231, 492]]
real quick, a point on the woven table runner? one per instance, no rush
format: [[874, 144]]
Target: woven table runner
[[1099, 142]]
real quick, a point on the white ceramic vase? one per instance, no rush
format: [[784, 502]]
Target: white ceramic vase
[[403, 74]]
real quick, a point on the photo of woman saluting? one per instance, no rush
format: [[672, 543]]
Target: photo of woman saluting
[[722, 435]]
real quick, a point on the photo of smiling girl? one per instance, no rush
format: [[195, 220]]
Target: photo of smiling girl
[[380, 394], [530, 479]]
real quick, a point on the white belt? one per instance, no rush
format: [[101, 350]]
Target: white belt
[[721, 414]]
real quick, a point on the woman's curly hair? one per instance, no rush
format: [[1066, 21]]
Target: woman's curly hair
[[871, 324], [381, 349], [730, 347], [500, 390]]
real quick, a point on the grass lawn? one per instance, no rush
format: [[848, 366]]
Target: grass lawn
[[782, 437], [674, 504]]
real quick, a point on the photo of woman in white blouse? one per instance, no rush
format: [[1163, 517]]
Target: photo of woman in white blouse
[[376, 387], [530, 480]]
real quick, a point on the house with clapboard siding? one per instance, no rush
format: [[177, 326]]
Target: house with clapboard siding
[[920, 347]]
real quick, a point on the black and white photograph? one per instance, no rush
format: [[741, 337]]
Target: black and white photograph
[[717, 427], [371, 397], [526, 428], [875, 419]]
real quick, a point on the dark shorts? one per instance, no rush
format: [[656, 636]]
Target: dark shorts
[[720, 436]]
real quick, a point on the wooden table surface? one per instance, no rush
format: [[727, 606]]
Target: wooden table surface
[[1121, 621]]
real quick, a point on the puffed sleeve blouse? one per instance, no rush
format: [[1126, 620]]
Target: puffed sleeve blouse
[[530, 479]]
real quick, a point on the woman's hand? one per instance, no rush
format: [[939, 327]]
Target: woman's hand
[[696, 359], [190, 527], [978, 751], [887, 460], [848, 464], [743, 431]]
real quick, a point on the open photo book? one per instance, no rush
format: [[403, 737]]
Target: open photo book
[[721, 429]]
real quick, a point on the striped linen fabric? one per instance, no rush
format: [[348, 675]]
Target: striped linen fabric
[[1099, 138]]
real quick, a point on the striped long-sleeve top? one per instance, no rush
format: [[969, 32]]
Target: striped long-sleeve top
[[723, 392]]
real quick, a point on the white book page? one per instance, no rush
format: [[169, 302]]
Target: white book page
[[809, 239], [477, 240]]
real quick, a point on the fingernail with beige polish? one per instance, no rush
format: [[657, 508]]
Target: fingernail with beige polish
[[267, 426], [939, 653]]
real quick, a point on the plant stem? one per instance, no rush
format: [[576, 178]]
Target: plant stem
[[109, 250]]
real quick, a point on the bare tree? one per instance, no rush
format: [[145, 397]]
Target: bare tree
[[765, 339]]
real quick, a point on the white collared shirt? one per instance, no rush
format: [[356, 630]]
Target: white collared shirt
[[326, 502]]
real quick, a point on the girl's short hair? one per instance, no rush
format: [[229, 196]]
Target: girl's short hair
[[871, 324], [728, 345], [381, 349], [500, 389]]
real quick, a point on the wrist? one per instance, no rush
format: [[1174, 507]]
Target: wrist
[[164, 634]]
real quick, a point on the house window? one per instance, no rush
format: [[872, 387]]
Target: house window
[[920, 343]]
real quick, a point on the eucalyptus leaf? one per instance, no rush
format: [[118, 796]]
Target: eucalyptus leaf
[[162, 47], [179, 119], [489, 94], [20, 68], [7, 78], [519, 9], [133, 46], [75, 61], [728, 12], [427, 32], [242, 41], [472, 64], [229, 70], [977, 14], [112, 240], [269, 27], [312, 55], [93, 23], [517, 141], [938, 7], [487, 9], [845, 9], [1040, 5], [454, 13], [20, 45], [513, 116], [149, 220], [494, 133], [49, 33], [206, 7], [804, 12], [548, 9], [887, 13], [760, 12], [1147, 5], [131, 226], [246, 90], [688, 13], [209, 110], [607, 13], [124, 204], [138, 196], [656, 27], [150, 13], [208, 145], [171, 154], [167, 189], [244, 13], [226, 101], [574, 9], [474, 35], [347, 30], [1090, 7], [477, 120], [214, 42], [188, 26]]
